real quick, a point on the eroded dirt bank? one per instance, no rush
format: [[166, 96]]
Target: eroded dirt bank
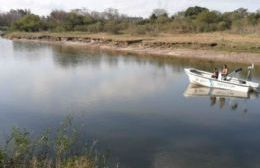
[[145, 46]]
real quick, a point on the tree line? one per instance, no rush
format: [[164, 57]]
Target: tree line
[[192, 20]]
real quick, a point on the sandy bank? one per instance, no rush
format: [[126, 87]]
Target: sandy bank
[[141, 46]]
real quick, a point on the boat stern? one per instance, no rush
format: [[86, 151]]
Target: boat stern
[[187, 70], [253, 86]]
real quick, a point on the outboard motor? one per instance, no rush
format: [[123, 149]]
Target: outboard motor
[[231, 75], [249, 73]]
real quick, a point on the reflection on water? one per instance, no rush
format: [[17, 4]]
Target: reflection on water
[[134, 105], [222, 97], [195, 90]]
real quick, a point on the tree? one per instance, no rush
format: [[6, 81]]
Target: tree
[[160, 12], [72, 20], [111, 14], [241, 12], [6, 19], [207, 21], [58, 15], [28, 23], [163, 18], [208, 17], [194, 11], [153, 17], [56, 20], [253, 18]]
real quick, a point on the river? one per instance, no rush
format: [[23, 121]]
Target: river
[[140, 108]]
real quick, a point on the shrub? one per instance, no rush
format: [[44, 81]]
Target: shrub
[[111, 27], [95, 28], [28, 23], [51, 150], [2, 157]]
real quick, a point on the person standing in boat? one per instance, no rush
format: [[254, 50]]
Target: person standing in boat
[[224, 71]]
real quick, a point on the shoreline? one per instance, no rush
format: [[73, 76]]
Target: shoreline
[[144, 47]]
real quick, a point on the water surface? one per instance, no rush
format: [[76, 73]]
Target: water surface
[[142, 109]]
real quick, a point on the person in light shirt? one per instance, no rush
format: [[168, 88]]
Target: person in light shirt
[[224, 71]]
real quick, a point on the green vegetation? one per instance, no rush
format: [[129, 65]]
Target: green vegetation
[[195, 28], [47, 151], [193, 20], [28, 23]]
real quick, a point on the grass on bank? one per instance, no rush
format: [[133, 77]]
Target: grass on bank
[[218, 40]]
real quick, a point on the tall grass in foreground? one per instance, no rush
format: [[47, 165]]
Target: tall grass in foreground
[[59, 149]]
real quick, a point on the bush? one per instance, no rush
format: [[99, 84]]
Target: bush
[[83, 28], [28, 23], [138, 29], [111, 27], [52, 149], [72, 20], [222, 26], [2, 157], [59, 28], [95, 28]]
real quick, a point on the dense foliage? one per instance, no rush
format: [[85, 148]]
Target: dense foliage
[[61, 148], [194, 19]]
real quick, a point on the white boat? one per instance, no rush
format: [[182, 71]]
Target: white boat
[[204, 78]]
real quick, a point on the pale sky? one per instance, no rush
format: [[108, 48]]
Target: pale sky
[[131, 7]]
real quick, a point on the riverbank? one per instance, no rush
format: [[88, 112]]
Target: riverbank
[[209, 46]]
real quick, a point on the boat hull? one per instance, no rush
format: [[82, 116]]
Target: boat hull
[[214, 83]]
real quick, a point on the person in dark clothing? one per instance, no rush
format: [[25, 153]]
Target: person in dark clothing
[[215, 73]]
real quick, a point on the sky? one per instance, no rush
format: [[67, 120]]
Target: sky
[[131, 7]]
